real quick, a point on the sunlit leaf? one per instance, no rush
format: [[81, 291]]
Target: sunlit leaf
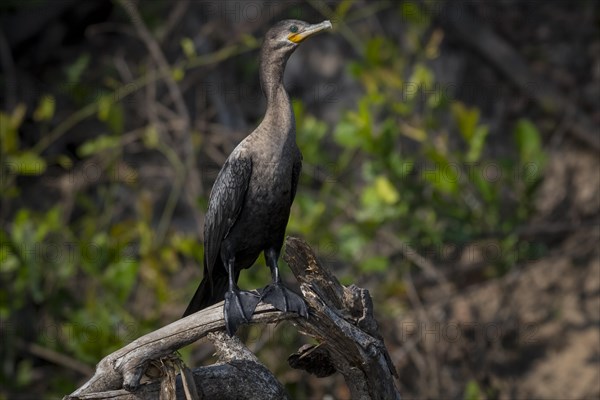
[[249, 41], [342, 9], [96, 145], [17, 116], [188, 47], [26, 163], [9, 137], [412, 132], [178, 74], [411, 11], [346, 134], [529, 142], [352, 241], [466, 119], [64, 161], [477, 143], [121, 276], [375, 264], [422, 78], [443, 174], [385, 190], [104, 104], [45, 109], [151, 137], [472, 391]]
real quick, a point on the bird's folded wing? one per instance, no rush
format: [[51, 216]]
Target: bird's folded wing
[[226, 200], [296, 170]]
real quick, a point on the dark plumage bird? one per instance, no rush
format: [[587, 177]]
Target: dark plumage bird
[[250, 202]]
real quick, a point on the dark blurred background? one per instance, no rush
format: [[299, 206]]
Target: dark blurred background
[[450, 166]]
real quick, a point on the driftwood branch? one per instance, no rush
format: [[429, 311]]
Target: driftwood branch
[[238, 375], [340, 319], [124, 368]]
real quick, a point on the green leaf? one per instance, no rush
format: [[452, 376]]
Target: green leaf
[[342, 9], [466, 119], [116, 119], [412, 12], [98, 144], [16, 119], [375, 264], [64, 161], [386, 191], [476, 144], [444, 176], [121, 276], [346, 134], [373, 50], [75, 70], [9, 129], [188, 47], [151, 137], [311, 132], [249, 41], [178, 74], [417, 134], [111, 113], [45, 110], [26, 163], [484, 187], [351, 240], [529, 143], [104, 104], [422, 77], [9, 138], [472, 391]]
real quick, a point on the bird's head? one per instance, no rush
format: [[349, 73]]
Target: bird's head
[[286, 35], [280, 42]]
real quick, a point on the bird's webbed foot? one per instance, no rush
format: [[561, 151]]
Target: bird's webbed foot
[[238, 309], [284, 299]]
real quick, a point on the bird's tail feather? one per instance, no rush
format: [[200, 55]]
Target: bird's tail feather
[[205, 297]]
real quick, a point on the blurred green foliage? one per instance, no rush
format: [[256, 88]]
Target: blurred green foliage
[[397, 167], [407, 160]]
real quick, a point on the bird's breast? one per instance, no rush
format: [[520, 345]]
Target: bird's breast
[[271, 183]]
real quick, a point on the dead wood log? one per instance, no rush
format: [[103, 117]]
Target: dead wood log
[[340, 319]]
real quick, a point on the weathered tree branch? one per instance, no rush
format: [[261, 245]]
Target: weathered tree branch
[[125, 367], [341, 319], [239, 375]]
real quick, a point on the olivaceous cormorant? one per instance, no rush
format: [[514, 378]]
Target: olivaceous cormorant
[[250, 201]]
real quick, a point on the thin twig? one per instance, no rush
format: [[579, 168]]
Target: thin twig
[[57, 358], [159, 58], [341, 26], [179, 10]]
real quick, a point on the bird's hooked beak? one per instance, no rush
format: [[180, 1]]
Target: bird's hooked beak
[[309, 31]]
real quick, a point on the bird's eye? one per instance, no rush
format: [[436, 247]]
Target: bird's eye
[[293, 29]]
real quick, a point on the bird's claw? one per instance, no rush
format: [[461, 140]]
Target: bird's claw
[[284, 299], [238, 309]]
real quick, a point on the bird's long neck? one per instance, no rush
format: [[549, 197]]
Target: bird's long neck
[[279, 114]]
